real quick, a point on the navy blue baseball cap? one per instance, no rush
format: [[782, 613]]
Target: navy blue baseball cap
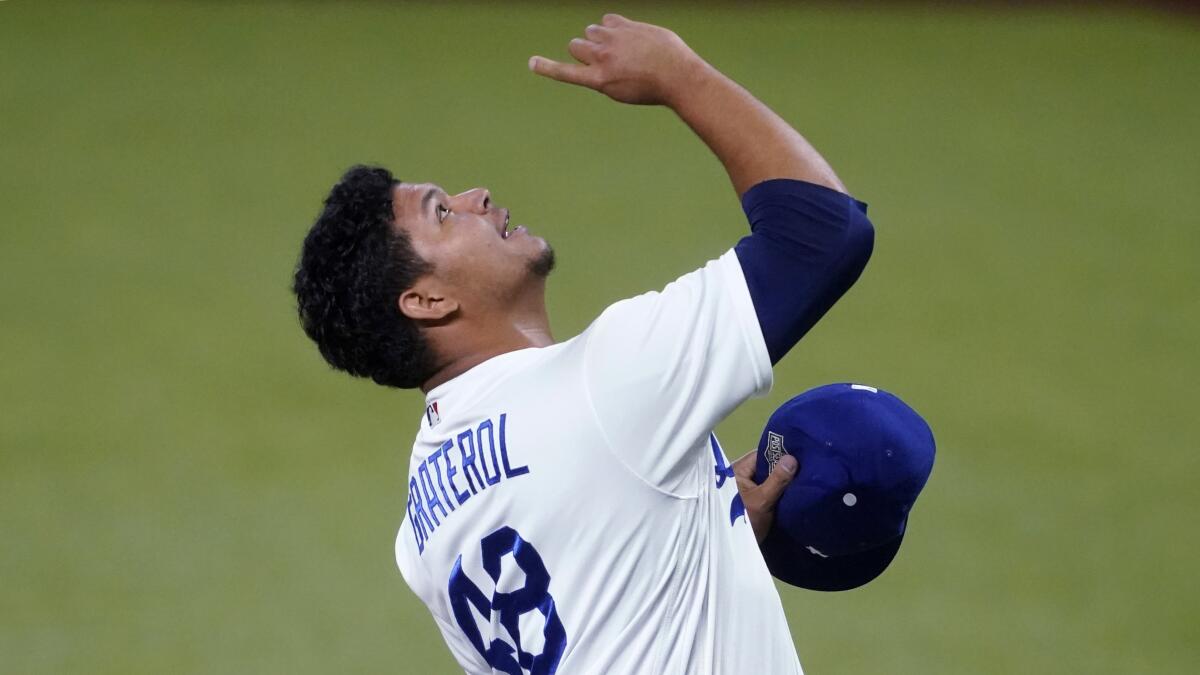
[[864, 456]]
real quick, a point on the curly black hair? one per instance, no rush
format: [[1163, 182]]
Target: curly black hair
[[353, 267]]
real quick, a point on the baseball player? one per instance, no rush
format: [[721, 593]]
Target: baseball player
[[569, 509]]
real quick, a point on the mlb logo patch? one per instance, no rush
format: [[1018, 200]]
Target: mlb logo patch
[[775, 450], [431, 414]]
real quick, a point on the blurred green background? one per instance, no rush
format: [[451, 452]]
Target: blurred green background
[[186, 488]]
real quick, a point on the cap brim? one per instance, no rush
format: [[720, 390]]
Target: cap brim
[[794, 564]]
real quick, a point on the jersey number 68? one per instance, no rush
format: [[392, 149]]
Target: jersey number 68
[[507, 608]]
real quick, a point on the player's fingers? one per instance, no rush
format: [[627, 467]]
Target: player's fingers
[[583, 50], [774, 485], [743, 467], [611, 20], [563, 72], [597, 33]]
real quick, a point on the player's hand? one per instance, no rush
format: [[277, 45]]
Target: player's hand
[[760, 499], [629, 61]]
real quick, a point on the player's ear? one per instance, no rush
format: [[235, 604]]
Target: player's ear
[[426, 302]]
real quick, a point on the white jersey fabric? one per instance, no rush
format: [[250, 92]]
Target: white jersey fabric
[[570, 511]]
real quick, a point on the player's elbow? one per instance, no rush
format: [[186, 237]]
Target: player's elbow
[[862, 239]]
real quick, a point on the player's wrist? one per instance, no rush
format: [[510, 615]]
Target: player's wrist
[[688, 83]]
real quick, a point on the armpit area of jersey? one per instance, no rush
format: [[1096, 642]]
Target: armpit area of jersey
[[807, 247]]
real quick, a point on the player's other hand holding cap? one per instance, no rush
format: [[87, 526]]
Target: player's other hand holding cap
[[864, 457]]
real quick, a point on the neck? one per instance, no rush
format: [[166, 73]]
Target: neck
[[470, 346]]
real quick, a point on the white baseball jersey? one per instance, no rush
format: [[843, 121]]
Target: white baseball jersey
[[570, 511]]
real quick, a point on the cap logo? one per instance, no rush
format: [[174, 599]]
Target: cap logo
[[775, 450], [814, 551]]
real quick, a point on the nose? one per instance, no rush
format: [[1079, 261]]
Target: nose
[[478, 200]]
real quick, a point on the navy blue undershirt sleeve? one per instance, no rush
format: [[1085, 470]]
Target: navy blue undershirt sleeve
[[808, 245]]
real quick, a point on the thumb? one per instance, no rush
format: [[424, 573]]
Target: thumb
[[783, 473]]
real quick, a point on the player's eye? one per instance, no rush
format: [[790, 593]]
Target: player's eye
[[442, 212]]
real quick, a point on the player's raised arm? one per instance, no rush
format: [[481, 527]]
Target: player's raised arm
[[640, 63], [810, 239]]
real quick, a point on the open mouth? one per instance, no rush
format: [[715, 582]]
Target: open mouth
[[505, 233]]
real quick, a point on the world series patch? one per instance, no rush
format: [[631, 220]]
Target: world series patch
[[775, 450]]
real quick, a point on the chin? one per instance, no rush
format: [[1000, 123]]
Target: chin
[[542, 264]]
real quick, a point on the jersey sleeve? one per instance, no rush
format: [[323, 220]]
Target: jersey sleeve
[[807, 247], [663, 368]]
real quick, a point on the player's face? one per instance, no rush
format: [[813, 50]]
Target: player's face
[[473, 247]]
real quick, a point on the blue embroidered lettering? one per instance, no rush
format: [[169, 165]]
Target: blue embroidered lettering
[[509, 472], [491, 442], [437, 470], [467, 439], [431, 498]]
